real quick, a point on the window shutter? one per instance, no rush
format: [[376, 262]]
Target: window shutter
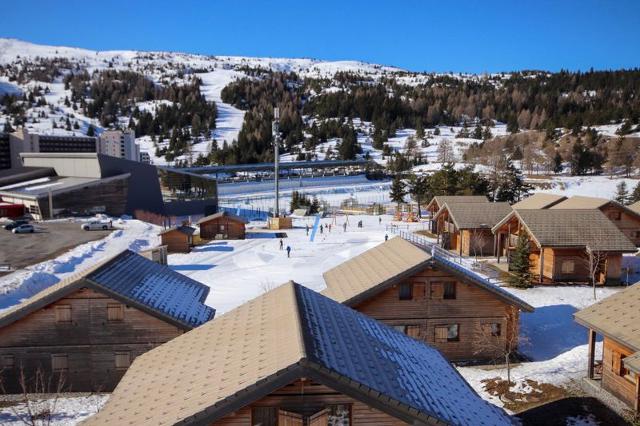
[[122, 360], [615, 362], [413, 331], [286, 418], [437, 291], [442, 332], [59, 363], [63, 313], [115, 312], [321, 418]]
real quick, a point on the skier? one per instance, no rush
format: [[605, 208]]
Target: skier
[[306, 228], [344, 227], [379, 221], [288, 251], [281, 243], [321, 229], [386, 237]]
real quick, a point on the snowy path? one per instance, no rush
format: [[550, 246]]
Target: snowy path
[[229, 119]]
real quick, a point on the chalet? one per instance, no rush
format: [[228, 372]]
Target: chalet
[[616, 319], [539, 200], [438, 201], [626, 219], [84, 331], [294, 357], [563, 243], [466, 228], [222, 226], [178, 239], [429, 299]]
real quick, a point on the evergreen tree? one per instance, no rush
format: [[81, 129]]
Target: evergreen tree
[[622, 193], [511, 187], [397, 192], [418, 189], [315, 206], [557, 163], [520, 265], [419, 130], [512, 125], [635, 195], [477, 133], [91, 131]]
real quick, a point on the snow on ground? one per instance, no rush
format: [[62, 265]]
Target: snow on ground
[[592, 186], [238, 271], [66, 411], [130, 234]]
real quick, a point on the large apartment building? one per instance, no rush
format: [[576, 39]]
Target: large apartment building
[[120, 144], [23, 140]]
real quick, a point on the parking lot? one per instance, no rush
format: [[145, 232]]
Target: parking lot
[[48, 241]]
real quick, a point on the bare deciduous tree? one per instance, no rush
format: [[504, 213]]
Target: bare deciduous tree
[[594, 260], [445, 152], [478, 240]]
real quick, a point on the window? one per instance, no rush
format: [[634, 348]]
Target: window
[[59, 363], [412, 331], [63, 313], [264, 416], [437, 290], [568, 266], [449, 290], [8, 361], [405, 291], [447, 333], [115, 312], [122, 360], [492, 329]]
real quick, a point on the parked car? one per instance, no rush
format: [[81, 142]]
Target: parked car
[[25, 228], [15, 223], [95, 225]]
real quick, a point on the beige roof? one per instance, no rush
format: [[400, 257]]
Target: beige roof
[[391, 260], [581, 202], [635, 207], [539, 200], [201, 368], [617, 317], [571, 228], [474, 216], [219, 215], [439, 200]]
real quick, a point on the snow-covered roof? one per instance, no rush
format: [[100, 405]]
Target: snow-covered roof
[[240, 357], [134, 280]]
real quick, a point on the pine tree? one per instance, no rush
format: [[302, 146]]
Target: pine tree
[[397, 192], [511, 187], [419, 190], [520, 265], [91, 131], [622, 193], [635, 194], [512, 125], [557, 163], [315, 206]]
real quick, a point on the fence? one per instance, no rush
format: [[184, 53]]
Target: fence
[[465, 265]]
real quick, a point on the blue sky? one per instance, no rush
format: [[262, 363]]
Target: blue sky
[[466, 36]]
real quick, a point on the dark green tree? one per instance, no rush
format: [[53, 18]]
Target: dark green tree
[[91, 131], [622, 193], [635, 194], [520, 266], [418, 189], [557, 163], [398, 191]]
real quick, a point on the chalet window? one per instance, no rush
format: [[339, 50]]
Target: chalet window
[[449, 290], [437, 290], [615, 215], [568, 266], [412, 331], [8, 361], [59, 363], [115, 312], [405, 291], [447, 333], [63, 313], [492, 329], [400, 328], [122, 360], [264, 416]]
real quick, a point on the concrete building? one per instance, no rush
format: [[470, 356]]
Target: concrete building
[[145, 157], [61, 184], [23, 140], [120, 144]]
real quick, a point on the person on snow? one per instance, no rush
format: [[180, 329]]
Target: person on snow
[[386, 237], [288, 251], [321, 229], [281, 244], [306, 228], [344, 227]]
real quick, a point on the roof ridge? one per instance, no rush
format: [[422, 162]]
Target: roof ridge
[[304, 337]]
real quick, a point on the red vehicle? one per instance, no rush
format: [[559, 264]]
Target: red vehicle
[[11, 210]]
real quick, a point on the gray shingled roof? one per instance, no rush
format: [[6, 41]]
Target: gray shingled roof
[[581, 202], [539, 200], [572, 228], [617, 317], [184, 229], [635, 207], [439, 200], [475, 216], [219, 215]]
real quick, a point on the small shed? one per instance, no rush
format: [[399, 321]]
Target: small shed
[[222, 226], [178, 239]]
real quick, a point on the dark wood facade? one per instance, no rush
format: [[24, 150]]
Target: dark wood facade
[[465, 242], [305, 402], [224, 227], [462, 320], [177, 241], [626, 221], [85, 341]]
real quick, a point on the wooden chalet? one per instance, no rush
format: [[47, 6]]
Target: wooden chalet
[[429, 299], [438, 201], [539, 200], [560, 242], [292, 357], [466, 228], [84, 332], [178, 239], [616, 319], [222, 226], [626, 219]]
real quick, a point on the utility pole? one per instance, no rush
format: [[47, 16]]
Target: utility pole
[[275, 128]]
